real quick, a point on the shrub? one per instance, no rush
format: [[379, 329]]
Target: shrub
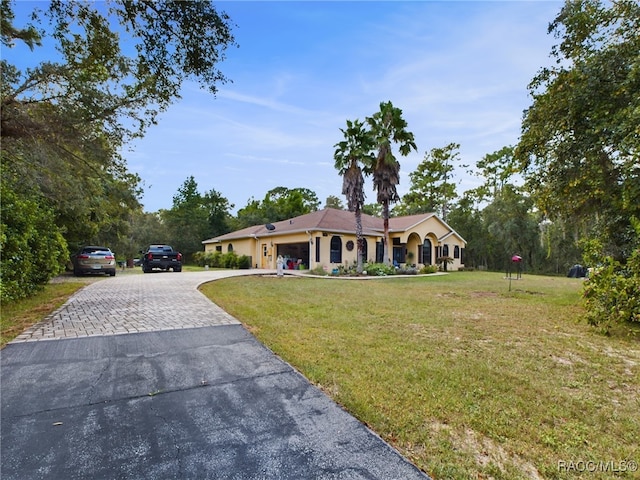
[[33, 248], [379, 269], [244, 262], [319, 270], [428, 269], [407, 270], [611, 294], [222, 260]]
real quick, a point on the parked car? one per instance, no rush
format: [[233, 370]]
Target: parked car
[[94, 259], [161, 257]]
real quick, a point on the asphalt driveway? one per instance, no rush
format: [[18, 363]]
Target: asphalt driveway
[[140, 376]]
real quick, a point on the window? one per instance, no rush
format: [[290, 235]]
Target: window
[[445, 250], [426, 252], [365, 248], [379, 252], [218, 248], [230, 248], [336, 250], [456, 252], [318, 249]]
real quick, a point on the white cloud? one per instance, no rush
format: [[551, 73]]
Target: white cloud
[[459, 71]]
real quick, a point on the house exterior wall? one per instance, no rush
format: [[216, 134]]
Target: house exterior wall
[[413, 240], [263, 250]]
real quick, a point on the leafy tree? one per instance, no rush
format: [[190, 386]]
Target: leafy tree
[[333, 202], [580, 144], [64, 120], [387, 126], [218, 208], [431, 187], [193, 217], [33, 249], [373, 209], [94, 80], [466, 219], [146, 228], [511, 228], [497, 168], [279, 203], [353, 156], [249, 215], [611, 292]]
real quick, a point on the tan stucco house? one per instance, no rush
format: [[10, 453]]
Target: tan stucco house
[[326, 238]]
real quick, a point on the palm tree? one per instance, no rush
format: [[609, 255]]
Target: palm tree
[[353, 156], [388, 126]]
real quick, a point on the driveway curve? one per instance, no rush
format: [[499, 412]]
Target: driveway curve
[[142, 377]]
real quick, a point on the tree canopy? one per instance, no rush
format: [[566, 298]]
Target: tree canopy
[[432, 188], [580, 144], [278, 204], [65, 120]]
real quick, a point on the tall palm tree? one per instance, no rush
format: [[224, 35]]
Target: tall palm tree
[[353, 157], [387, 126]]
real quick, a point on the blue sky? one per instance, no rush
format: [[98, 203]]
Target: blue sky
[[458, 70]]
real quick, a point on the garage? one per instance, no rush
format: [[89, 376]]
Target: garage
[[294, 254]]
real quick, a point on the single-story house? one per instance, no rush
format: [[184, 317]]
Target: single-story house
[[327, 238]]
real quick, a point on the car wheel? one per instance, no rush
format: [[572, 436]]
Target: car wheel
[[112, 273], [76, 272], [177, 269]]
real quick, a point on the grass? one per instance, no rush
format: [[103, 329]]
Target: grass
[[18, 316], [464, 377]]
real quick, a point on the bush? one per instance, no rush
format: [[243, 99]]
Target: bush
[[428, 269], [244, 262], [319, 270], [222, 260], [33, 248], [407, 270], [379, 269], [611, 293]]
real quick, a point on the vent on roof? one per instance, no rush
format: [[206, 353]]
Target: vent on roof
[[270, 226]]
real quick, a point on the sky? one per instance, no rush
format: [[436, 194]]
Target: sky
[[458, 70]]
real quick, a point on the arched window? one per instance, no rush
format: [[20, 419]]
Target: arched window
[[365, 248], [336, 250], [456, 252], [445, 250], [230, 248], [426, 252]]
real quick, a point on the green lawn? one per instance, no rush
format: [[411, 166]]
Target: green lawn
[[466, 378], [18, 316]]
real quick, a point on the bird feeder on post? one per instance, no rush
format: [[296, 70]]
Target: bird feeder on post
[[516, 263]]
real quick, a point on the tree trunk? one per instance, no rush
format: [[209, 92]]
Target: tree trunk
[[385, 240], [359, 241]]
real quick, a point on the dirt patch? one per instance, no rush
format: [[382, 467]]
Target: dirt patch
[[485, 450], [483, 294]]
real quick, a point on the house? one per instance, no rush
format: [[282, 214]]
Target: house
[[326, 238]]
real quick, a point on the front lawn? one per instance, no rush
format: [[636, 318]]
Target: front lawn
[[464, 377]]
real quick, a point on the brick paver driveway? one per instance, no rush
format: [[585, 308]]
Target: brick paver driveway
[[142, 377], [132, 303]]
